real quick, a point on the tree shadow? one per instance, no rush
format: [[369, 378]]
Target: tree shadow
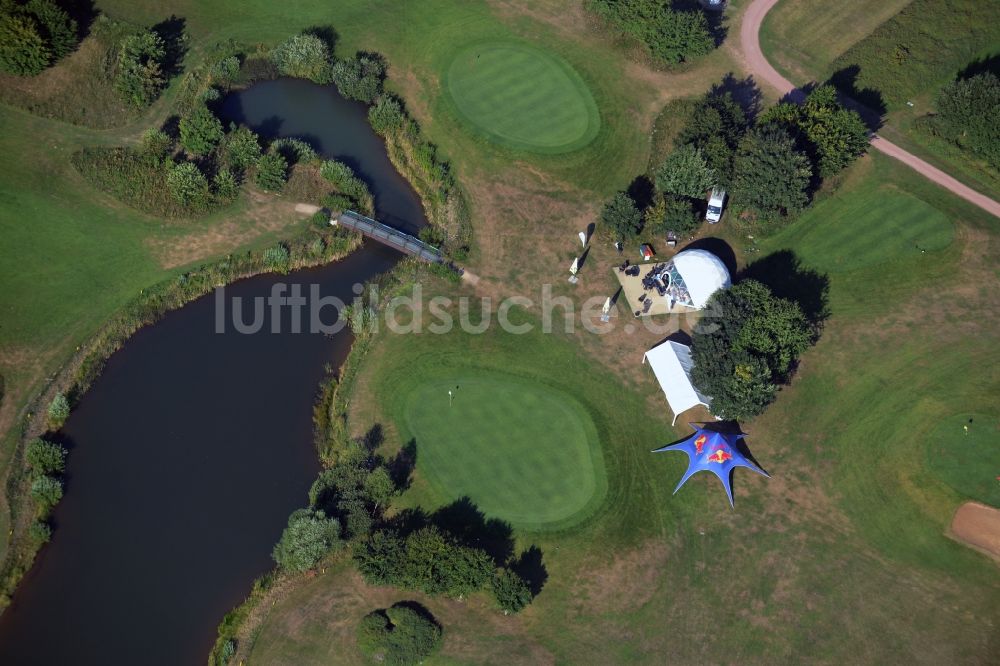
[[642, 192], [326, 33], [171, 30], [990, 64], [719, 248], [401, 465], [744, 92], [417, 608], [469, 526], [582, 259], [868, 102], [784, 274], [531, 568], [371, 440], [83, 12]]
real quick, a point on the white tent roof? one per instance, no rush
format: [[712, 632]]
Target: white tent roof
[[671, 363], [703, 274]]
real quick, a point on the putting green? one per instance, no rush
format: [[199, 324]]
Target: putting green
[[968, 462], [521, 451], [870, 226], [522, 97]]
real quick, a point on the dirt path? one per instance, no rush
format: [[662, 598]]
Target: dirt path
[[758, 65]]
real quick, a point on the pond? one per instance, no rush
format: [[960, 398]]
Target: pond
[[191, 449]]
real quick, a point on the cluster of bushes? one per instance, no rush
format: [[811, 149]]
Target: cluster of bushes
[[307, 56], [671, 35], [917, 50], [46, 461], [34, 35], [404, 634], [968, 115], [745, 345], [769, 167]]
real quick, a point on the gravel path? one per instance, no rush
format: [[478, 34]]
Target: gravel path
[[763, 71]]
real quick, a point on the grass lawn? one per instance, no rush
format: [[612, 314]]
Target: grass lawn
[[523, 97], [522, 451], [968, 461], [869, 225]]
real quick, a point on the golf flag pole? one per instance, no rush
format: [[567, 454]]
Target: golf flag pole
[[450, 397], [583, 238]]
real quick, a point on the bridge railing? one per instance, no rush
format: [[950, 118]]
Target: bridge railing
[[390, 236]]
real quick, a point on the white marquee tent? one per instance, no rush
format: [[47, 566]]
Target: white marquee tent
[[695, 275], [671, 363]]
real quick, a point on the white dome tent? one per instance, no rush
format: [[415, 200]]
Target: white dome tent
[[692, 276]]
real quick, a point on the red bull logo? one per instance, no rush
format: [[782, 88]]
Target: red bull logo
[[699, 443], [720, 456]]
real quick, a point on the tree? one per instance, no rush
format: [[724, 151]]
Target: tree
[[58, 411], [716, 125], [56, 27], [139, 76], [272, 172], [303, 56], [620, 218], [685, 172], [968, 115], [380, 559], [200, 131], [745, 344], [241, 148], [832, 135], [770, 176], [399, 635], [360, 77], [45, 457], [47, 491], [23, 50], [379, 487], [187, 184], [670, 213], [309, 536], [511, 591], [386, 116]]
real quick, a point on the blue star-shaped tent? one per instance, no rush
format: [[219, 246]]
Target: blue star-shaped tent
[[715, 452]]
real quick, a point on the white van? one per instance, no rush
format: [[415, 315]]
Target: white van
[[715, 204]]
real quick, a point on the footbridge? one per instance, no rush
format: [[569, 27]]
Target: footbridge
[[394, 238]]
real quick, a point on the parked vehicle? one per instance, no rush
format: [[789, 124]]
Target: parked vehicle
[[715, 204]]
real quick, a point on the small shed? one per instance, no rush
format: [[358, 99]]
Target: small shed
[[671, 363]]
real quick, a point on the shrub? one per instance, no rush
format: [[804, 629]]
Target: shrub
[[620, 218], [45, 457], [200, 131], [399, 635], [227, 69], [510, 591], [968, 115], [303, 56], [227, 188], [47, 491], [58, 411], [309, 536], [39, 533], [56, 27], [139, 76], [669, 35], [272, 172], [156, 145], [360, 77], [386, 116], [188, 185], [276, 257], [342, 177], [685, 172], [241, 148], [294, 150]]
